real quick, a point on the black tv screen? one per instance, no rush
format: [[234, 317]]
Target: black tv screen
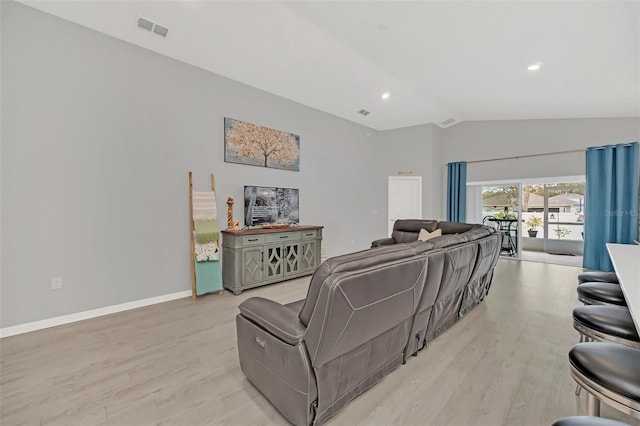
[[267, 205]]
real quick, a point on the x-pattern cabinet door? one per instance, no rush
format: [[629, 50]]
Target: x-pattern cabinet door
[[252, 260], [291, 258], [274, 261], [308, 253]]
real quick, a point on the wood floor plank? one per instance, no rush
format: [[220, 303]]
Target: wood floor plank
[[176, 363]]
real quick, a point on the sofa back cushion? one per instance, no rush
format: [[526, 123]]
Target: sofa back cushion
[[407, 230], [435, 270], [448, 240], [353, 307], [421, 247], [440, 242], [346, 263], [454, 227], [488, 253], [458, 266], [476, 233]]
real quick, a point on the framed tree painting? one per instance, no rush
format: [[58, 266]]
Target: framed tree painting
[[248, 143]]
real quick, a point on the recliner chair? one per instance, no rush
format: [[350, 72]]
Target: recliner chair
[[351, 331]]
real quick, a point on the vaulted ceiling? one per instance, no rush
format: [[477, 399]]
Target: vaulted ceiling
[[440, 61]]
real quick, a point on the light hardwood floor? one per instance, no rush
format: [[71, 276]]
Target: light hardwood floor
[[504, 363]]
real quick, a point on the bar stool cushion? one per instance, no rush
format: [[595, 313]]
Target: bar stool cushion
[[587, 421], [598, 276], [604, 292], [613, 366], [609, 320]]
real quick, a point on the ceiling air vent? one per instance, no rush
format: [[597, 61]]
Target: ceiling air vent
[[145, 24], [160, 30], [364, 112], [148, 25], [448, 121]]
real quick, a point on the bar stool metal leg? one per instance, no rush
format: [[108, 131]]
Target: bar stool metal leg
[[593, 405], [583, 339]]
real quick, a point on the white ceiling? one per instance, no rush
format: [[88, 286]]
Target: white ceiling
[[465, 60]]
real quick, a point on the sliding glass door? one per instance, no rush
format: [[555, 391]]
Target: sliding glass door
[[501, 210], [544, 217], [553, 215]]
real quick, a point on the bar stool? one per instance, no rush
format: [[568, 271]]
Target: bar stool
[[610, 373], [597, 293], [598, 276], [587, 421], [605, 324]]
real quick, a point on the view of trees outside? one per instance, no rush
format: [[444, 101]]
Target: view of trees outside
[[565, 206], [496, 198]]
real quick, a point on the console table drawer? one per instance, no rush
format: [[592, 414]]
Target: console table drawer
[[285, 236], [251, 240], [310, 235]]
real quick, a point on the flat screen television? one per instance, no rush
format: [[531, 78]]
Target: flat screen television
[[270, 205]]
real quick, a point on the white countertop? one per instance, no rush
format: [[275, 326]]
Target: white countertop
[[626, 261]]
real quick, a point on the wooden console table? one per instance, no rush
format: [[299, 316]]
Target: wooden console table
[[256, 257]]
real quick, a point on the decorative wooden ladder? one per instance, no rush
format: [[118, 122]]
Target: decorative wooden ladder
[[216, 266]]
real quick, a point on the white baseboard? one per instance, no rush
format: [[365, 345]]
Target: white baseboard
[[66, 319]]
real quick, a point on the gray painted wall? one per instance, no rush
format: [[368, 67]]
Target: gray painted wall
[[417, 149], [479, 140], [98, 138]]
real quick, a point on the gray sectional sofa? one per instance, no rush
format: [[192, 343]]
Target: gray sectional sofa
[[365, 313]]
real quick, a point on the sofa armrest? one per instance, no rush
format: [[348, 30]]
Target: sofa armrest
[[275, 318], [382, 242], [296, 306]]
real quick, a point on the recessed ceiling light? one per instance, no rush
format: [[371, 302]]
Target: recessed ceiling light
[[386, 95], [535, 67]]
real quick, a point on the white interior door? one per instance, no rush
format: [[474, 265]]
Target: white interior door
[[405, 198]]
